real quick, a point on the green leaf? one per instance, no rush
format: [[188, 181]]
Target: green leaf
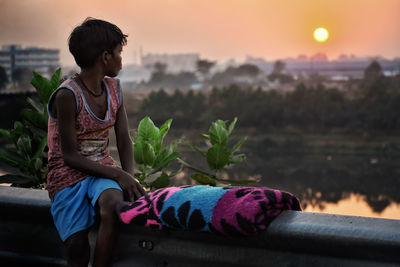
[[24, 145], [43, 87], [236, 159], [218, 133], [138, 153], [37, 132], [41, 147], [195, 148], [147, 131], [18, 131], [162, 181], [149, 155], [165, 128], [8, 159], [164, 159], [203, 179], [6, 134], [160, 158], [18, 125], [14, 179], [36, 105], [143, 168], [39, 120], [231, 126], [237, 146], [144, 153], [161, 134], [221, 123], [205, 136], [217, 157], [55, 80], [241, 182], [36, 164]]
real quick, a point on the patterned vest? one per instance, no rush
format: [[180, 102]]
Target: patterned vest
[[91, 133]]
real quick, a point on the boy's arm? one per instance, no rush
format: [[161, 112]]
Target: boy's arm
[[65, 109], [124, 142]]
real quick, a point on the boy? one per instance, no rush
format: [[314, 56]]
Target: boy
[[82, 176]]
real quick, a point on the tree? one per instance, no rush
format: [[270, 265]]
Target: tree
[[158, 105], [374, 83], [316, 79], [3, 78], [160, 67], [158, 74], [204, 66], [279, 67], [278, 73], [373, 71], [248, 70]]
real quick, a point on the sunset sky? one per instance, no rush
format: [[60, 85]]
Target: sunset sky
[[216, 29]]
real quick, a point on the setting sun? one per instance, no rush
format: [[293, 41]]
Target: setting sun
[[321, 35]]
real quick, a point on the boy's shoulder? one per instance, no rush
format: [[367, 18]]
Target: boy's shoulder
[[69, 83], [112, 81], [114, 87], [66, 81], [113, 84]]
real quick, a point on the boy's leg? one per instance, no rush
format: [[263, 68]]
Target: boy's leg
[[78, 249], [108, 230], [73, 215]]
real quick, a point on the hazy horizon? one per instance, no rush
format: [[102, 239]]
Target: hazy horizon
[[216, 30]]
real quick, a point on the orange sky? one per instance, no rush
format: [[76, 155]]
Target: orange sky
[[217, 29]]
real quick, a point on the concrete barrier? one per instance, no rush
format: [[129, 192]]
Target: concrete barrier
[[28, 238]]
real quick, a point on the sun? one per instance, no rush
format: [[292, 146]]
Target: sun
[[321, 35]]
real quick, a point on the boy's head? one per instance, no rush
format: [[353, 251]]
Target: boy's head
[[90, 40]]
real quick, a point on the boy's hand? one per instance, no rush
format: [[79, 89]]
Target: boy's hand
[[131, 186]]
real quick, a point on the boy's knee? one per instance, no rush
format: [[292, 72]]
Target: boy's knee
[[108, 201]]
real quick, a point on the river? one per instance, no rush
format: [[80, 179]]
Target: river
[[339, 174]]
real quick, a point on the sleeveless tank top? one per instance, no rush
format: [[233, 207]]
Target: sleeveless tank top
[[92, 135]]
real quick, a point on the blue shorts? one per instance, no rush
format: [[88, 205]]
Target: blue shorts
[[73, 208]]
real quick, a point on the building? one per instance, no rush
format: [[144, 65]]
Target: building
[[345, 67], [175, 62], [41, 60]]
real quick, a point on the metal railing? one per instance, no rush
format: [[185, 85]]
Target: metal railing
[[28, 238]]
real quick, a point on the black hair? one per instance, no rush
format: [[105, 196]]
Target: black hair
[[93, 37]]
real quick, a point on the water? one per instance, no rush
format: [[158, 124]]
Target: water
[[356, 205], [346, 176]]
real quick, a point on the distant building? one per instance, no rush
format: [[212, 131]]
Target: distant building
[[175, 62], [345, 67], [41, 60]]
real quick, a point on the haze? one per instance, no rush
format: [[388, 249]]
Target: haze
[[217, 30]]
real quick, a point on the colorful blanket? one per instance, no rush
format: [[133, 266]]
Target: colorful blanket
[[227, 211]]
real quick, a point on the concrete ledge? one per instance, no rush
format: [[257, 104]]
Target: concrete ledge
[[28, 237]]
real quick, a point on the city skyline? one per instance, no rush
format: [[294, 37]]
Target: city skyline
[[217, 30]]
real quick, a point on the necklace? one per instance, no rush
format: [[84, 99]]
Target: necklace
[[90, 91]]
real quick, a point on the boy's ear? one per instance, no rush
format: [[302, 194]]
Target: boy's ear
[[105, 57]]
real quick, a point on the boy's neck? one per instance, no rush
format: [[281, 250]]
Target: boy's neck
[[92, 78]]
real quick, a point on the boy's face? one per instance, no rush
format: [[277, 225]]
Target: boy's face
[[115, 63]]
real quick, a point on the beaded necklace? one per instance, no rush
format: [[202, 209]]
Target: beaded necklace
[[90, 91]]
